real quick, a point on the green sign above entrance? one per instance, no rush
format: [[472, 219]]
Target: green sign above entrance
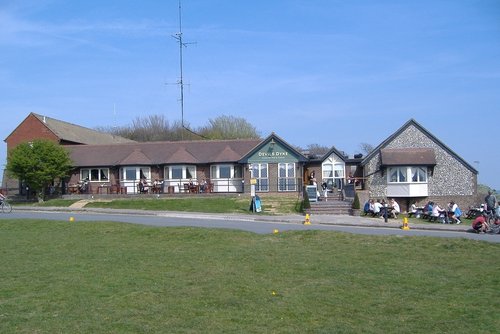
[[272, 153]]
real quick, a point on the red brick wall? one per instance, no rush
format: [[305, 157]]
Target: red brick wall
[[30, 129]]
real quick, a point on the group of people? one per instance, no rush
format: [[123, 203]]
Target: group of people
[[145, 188], [381, 208], [490, 207], [202, 186], [449, 214]]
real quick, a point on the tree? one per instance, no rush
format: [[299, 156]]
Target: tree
[[157, 128], [317, 150], [229, 127], [366, 148], [38, 164], [149, 128]]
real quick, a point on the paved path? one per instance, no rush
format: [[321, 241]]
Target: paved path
[[342, 220]]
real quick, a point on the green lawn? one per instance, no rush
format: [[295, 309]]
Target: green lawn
[[83, 277], [213, 204]]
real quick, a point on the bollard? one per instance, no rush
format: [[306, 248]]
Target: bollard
[[308, 220], [405, 227]]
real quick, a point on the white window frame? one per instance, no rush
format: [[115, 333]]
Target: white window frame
[[256, 170], [188, 172], [138, 171], [287, 182], [405, 174], [337, 172], [232, 183], [235, 171], [102, 174]]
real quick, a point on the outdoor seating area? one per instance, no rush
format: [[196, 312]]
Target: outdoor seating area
[[101, 189], [194, 187]]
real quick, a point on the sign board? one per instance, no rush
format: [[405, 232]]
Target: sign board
[[253, 181], [349, 191], [255, 205], [312, 193]]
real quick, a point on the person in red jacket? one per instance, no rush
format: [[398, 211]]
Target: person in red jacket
[[479, 224]]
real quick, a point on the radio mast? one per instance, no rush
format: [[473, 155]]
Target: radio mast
[[180, 82]]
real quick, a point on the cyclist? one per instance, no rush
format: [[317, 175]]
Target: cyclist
[[2, 197]]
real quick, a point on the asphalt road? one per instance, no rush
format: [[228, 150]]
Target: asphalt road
[[261, 225]]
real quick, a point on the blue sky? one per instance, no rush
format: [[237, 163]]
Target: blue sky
[[322, 72]]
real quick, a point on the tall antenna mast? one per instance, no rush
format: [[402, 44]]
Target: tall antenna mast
[[180, 82], [182, 45]]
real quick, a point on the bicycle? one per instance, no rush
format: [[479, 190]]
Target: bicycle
[[6, 207], [493, 222]]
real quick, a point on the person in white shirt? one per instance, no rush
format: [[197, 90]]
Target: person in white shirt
[[376, 208], [395, 208]]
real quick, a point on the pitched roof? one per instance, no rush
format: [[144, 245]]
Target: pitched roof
[[78, 134], [160, 153], [273, 138], [414, 123], [136, 157], [408, 156]]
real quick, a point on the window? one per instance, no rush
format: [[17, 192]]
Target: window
[[286, 177], [135, 173], [333, 173], [226, 172], [407, 174], [260, 173], [418, 174], [95, 174], [178, 172]]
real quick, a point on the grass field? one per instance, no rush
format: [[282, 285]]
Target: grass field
[[214, 204], [61, 277]]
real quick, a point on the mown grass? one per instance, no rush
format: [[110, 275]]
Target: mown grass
[[222, 204], [61, 277]]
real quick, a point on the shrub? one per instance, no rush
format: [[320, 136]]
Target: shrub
[[355, 203]]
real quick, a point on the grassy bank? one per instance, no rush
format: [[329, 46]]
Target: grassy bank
[[60, 277], [213, 204]]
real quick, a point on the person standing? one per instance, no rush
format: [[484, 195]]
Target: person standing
[[490, 201], [324, 187]]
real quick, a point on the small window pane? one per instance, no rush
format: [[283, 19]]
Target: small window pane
[[393, 175], [263, 170], [104, 174], [238, 172], [94, 175], [85, 174], [130, 174], [402, 174], [282, 170], [422, 175], [176, 172], [291, 170], [225, 172]]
